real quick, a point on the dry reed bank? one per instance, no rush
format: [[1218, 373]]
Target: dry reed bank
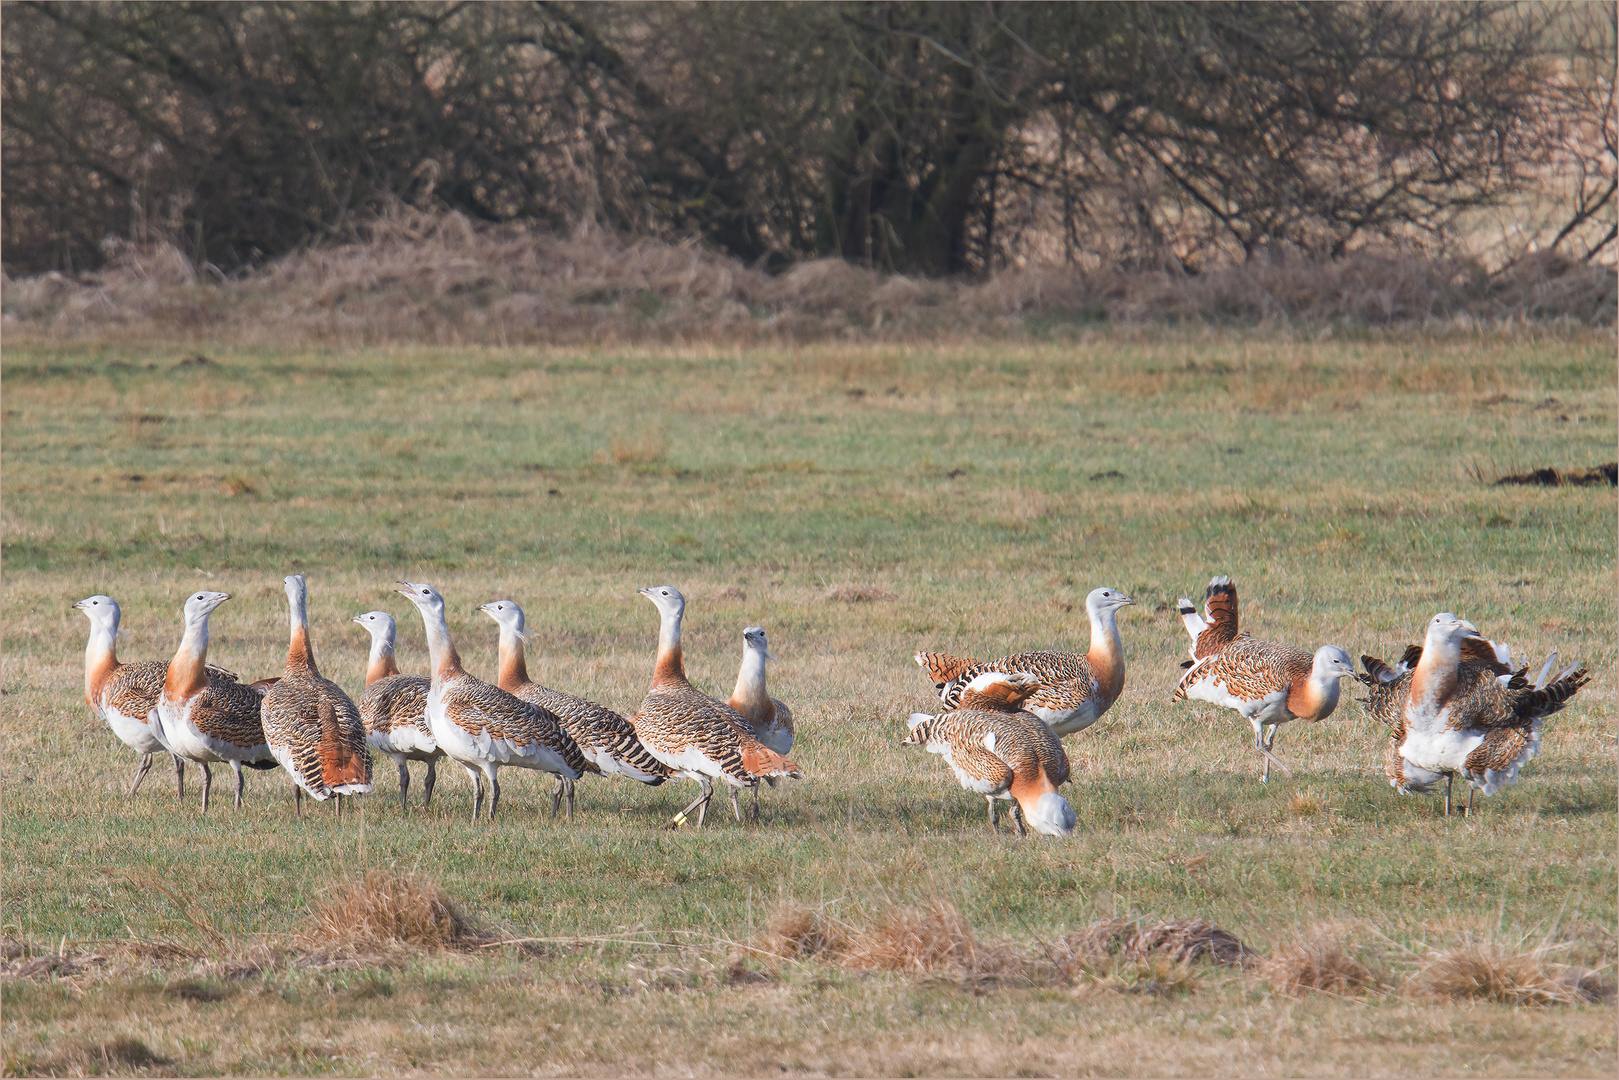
[[860, 500], [417, 278]]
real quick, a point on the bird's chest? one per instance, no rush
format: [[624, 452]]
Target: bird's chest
[[1431, 743]]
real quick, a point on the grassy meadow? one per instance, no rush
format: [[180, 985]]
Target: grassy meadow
[[860, 502]]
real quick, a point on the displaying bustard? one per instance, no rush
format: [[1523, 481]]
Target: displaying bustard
[[606, 739], [207, 715], [1454, 705], [481, 727], [691, 733], [312, 726], [1266, 682], [125, 695], [1001, 751], [393, 709], [1075, 690]]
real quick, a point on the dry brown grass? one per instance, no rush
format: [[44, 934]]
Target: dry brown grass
[[1317, 962], [859, 594], [386, 909], [1179, 940], [442, 279], [1481, 970], [647, 449]]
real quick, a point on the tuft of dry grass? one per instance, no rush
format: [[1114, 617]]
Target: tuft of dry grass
[[932, 937], [386, 909], [1319, 962], [1180, 940], [1304, 804], [1479, 970], [859, 594], [649, 449], [799, 932]]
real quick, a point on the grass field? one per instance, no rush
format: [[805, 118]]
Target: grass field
[[860, 502]]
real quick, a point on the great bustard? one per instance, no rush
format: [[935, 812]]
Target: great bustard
[[691, 733], [606, 739], [125, 695], [1000, 751], [207, 715], [1266, 682], [312, 726], [482, 727], [1074, 690], [1454, 705], [393, 709], [768, 718]]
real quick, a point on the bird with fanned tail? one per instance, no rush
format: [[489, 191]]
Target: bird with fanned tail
[[1454, 705], [1267, 683], [692, 734], [1001, 751], [1075, 690]]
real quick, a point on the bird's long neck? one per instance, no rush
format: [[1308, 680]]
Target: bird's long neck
[[1435, 675], [188, 671], [100, 660], [381, 664], [445, 661], [300, 657], [513, 663], [670, 668], [1106, 655], [1316, 698], [750, 697]]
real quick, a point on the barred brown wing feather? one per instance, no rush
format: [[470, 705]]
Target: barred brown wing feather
[[595, 728], [134, 689], [393, 701], [230, 712]]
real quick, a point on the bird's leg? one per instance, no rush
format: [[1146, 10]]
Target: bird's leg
[[337, 796], [427, 785], [1471, 791], [207, 785], [736, 807], [680, 818], [140, 772], [404, 783], [297, 800], [556, 797], [237, 765], [1017, 816], [756, 803], [494, 795], [702, 807], [1270, 758], [179, 777], [570, 801], [994, 814], [477, 793], [1450, 778]]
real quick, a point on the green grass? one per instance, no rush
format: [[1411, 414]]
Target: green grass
[[973, 482]]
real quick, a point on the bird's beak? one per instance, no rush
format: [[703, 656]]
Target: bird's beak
[[644, 592], [355, 619], [1125, 601], [225, 597]]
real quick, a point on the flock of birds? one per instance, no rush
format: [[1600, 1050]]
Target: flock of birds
[[1454, 705]]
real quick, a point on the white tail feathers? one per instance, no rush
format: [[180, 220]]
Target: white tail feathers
[[1194, 624]]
